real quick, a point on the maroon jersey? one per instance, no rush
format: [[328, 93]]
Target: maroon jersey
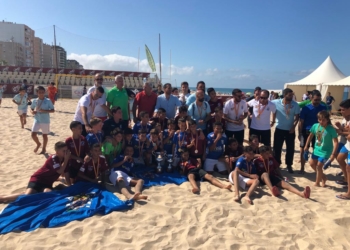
[[211, 122], [213, 105], [47, 174], [233, 153], [268, 166], [163, 123], [188, 165], [201, 143], [78, 147], [90, 169]]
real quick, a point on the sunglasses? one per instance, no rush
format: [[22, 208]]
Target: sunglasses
[[99, 79], [264, 98]]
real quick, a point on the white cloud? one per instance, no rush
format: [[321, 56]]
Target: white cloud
[[304, 72], [243, 76], [127, 63]]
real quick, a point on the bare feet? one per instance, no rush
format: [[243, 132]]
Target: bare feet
[[237, 198], [143, 197], [307, 192], [227, 187], [248, 200], [317, 185], [37, 147], [195, 190], [324, 179], [135, 197], [24, 121], [275, 191]]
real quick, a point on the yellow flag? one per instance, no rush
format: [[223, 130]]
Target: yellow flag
[[150, 59]]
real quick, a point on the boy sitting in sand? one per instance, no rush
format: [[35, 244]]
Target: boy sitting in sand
[[269, 174], [192, 168], [120, 175], [43, 179], [21, 100], [232, 152], [245, 175], [95, 168], [79, 148], [41, 108], [95, 136]]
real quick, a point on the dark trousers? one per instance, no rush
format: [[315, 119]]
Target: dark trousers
[[263, 135], [238, 135], [83, 132], [125, 124], [279, 138]]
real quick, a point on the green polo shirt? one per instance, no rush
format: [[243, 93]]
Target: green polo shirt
[[119, 98]]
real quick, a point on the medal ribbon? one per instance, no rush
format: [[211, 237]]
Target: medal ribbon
[[75, 147], [96, 168]]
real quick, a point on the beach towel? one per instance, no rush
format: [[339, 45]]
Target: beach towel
[[152, 178], [56, 208]]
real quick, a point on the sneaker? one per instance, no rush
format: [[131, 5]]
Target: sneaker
[[290, 169]]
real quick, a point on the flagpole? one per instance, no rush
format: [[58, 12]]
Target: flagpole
[[160, 63], [138, 61], [170, 66]]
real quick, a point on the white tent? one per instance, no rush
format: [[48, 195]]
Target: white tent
[[327, 72], [338, 89]]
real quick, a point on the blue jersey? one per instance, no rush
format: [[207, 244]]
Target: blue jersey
[[245, 166], [168, 147], [125, 167], [219, 150], [94, 138], [180, 141], [309, 115], [140, 147], [138, 127]]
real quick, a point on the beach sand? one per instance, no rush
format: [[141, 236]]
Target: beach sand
[[173, 217]]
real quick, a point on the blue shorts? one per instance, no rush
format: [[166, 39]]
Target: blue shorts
[[318, 158], [342, 149], [348, 159]]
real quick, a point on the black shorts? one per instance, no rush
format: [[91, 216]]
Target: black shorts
[[306, 133], [198, 173], [39, 187], [73, 172], [274, 180]]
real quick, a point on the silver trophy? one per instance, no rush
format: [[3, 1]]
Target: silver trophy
[[170, 161], [159, 158]]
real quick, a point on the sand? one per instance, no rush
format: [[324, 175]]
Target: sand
[[172, 217]]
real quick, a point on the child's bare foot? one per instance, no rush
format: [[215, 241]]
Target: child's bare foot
[[24, 122], [237, 198], [307, 192], [317, 185], [324, 179], [227, 187], [37, 147], [142, 197], [248, 200], [135, 197], [195, 190], [275, 191]]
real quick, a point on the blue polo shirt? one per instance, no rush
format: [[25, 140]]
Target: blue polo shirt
[[168, 147], [244, 166], [283, 121], [309, 115], [192, 98], [125, 167], [94, 138], [169, 105], [219, 150], [138, 127], [139, 147], [45, 104], [199, 113]]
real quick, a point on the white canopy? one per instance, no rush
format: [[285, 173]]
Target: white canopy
[[327, 72], [342, 82]]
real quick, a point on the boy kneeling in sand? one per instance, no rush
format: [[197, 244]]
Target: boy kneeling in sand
[[120, 175], [43, 179], [268, 170], [245, 174], [192, 168]]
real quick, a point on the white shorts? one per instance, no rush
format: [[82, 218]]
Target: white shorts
[[242, 181], [21, 111], [115, 175], [210, 163], [44, 127]]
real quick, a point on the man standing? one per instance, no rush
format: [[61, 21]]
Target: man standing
[[86, 107], [144, 101], [287, 114], [261, 114], [168, 102], [308, 117], [192, 98], [185, 93], [100, 111], [118, 96], [256, 96], [330, 100], [200, 111], [235, 111]]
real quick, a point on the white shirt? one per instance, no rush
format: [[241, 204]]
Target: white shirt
[[86, 101], [99, 111], [183, 98], [229, 110], [262, 123]]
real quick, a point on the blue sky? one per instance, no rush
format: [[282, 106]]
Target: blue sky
[[225, 43]]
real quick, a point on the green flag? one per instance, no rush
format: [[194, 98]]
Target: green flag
[[150, 59]]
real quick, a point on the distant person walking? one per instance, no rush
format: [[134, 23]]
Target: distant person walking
[[52, 92], [330, 100]]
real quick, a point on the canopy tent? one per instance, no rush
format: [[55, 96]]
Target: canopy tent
[[327, 72], [339, 90]]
